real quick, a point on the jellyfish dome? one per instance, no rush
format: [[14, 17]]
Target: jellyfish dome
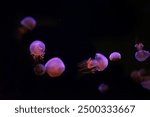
[[102, 62], [146, 84], [55, 67], [103, 88], [115, 56], [28, 22], [37, 49], [39, 69], [142, 55]]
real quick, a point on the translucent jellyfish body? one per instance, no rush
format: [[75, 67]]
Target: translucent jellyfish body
[[92, 65], [115, 56], [139, 46], [103, 88], [146, 84], [39, 69], [142, 55], [55, 67], [28, 22], [37, 50]]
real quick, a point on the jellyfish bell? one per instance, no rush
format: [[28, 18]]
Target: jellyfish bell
[[103, 88], [39, 69], [146, 84], [115, 56], [142, 55], [55, 67], [28, 22], [101, 62], [37, 50]]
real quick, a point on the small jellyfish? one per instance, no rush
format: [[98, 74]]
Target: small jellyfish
[[27, 24], [55, 67], [39, 69], [92, 65], [37, 50], [103, 88], [142, 55], [146, 84], [115, 56], [139, 46]]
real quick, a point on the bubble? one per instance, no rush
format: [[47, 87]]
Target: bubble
[[55, 67]]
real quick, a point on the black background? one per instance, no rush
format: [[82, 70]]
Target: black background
[[74, 30]]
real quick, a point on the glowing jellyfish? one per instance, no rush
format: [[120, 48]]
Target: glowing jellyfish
[[28, 22], [39, 69], [103, 88], [142, 55], [55, 67], [139, 46], [92, 65], [115, 56], [37, 50], [146, 84]]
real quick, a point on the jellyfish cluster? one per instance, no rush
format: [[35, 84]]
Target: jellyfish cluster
[[141, 55]]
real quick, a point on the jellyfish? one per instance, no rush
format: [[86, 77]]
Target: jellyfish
[[99, 63], [103, 88], [115, 56], [141, 55], [27, 24], [37, 50], [55, 67], [146, 84], [39, 69]]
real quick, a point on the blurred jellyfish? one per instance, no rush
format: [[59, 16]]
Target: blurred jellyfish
[[39, 69], [37, 50], [103, 88], [55, 67], [141, 55], [27, 24], [92, 65], [115, 56], [146, 84]]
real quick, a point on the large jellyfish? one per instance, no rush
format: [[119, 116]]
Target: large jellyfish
[[142, 77], [37, 50], [115, 56], [141, 55], [55, 67], [39, 69], [103, 88], [99, 63], [27, 24]]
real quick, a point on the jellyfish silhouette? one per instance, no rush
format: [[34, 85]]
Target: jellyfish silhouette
[[37, 50], [55, 67], [146, 84], [39, 69], [99, 63], [103, 88], [115, 56], [27, 24]]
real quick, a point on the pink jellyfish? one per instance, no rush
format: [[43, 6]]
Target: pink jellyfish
[[37, 50], [103, 88], [115, 56], [141, 55], [27, 24], [55, 67], [92, 65], [39, 69]]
